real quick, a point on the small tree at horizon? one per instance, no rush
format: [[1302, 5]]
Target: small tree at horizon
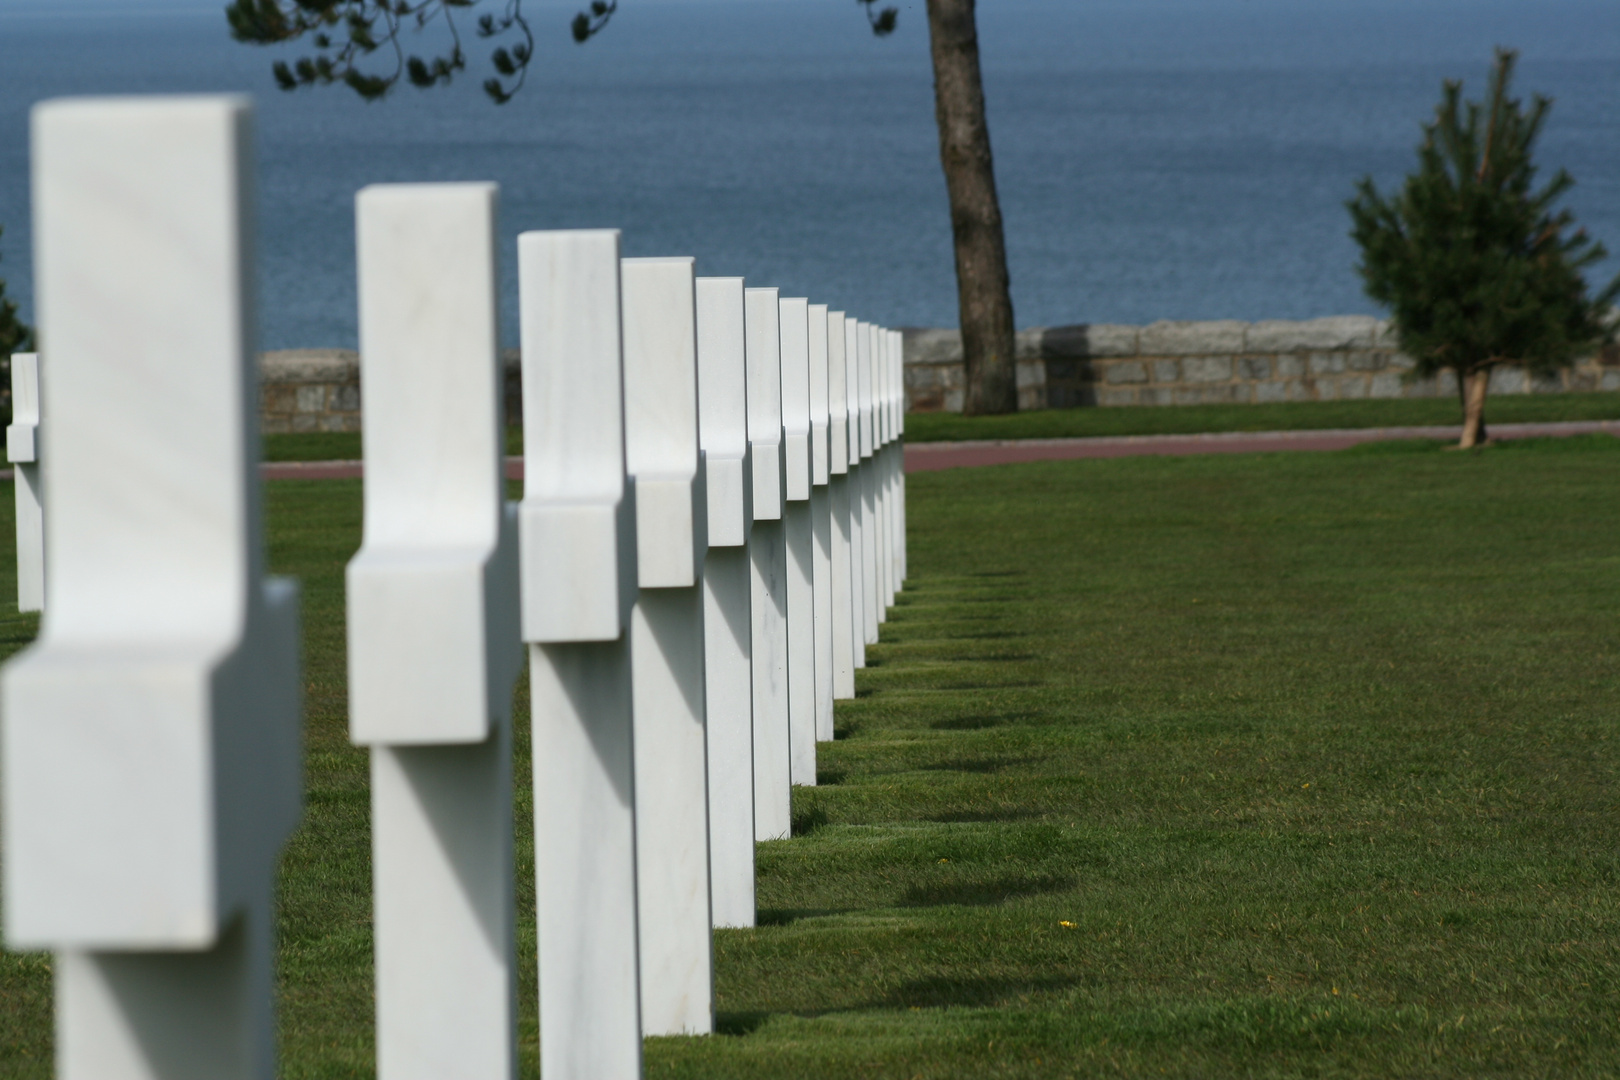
[[1476, 266], [347, 33]]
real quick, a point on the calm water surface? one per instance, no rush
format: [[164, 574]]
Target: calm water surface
[[1156, 159]]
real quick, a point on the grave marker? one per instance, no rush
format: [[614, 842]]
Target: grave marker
[[433, 633], [727, 628], [857, 508], [821, 522], [796, 519], [151, 733], [22, 447], [578, 563], [767, 553], [666, 646], [838, 487], [871, 527]]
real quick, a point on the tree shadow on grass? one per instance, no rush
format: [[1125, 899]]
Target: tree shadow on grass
[[789, 916], [739, 1023], [986, 893]]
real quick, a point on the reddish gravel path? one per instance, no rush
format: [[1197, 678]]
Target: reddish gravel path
[[927, 457]]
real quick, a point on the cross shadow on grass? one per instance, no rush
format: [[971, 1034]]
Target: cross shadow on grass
[[978, 721], [943, 990], [986, 893]]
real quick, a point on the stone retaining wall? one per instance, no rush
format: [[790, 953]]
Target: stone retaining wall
[[319, 390], [1164, 363], [1183, 363]]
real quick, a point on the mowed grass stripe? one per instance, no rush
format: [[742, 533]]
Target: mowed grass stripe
[[1272, 765]]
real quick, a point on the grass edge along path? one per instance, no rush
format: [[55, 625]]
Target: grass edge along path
[[1269, 765], [1125, 420]]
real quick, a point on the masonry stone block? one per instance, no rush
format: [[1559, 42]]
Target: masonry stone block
[[1206, 369], [1125, 396], [1112, 339], [1290, 367], [1271, 390], [1609, 380], [1326, 363], [1353, 386], [1365, 360], [1254, 367], [1125, 371], [1385, 384], [1509, 380], [1166, 371]]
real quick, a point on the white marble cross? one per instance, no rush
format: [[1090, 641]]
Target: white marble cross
[[22, 447], [767, 554], [433, 633], [839, 487], [821, 521], [871, 526], [666, 646], [150, 742], [578, 566], [727, 627], [797, 524], [857, 503], [897, 402]]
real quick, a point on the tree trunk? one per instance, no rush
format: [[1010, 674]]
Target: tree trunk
[[984, 298], [1473, 432]]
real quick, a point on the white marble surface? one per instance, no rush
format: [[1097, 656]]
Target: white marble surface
[[22, 448], [857, 505], [576, 518], [870, 525], [821, 525], [799, 527], [843, 600], [578, 581], [433, 644], [666, 646], [150, 738], [767, 553], [727, 633]]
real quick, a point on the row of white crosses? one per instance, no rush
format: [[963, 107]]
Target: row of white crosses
[[711, 530]]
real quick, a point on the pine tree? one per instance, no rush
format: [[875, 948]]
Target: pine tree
[[15, 335], [1476, 266]]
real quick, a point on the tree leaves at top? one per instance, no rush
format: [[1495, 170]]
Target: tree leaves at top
[[15, 335], [1477, 266], [347, 33]]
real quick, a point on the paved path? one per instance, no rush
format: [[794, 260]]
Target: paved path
[[927, 457]]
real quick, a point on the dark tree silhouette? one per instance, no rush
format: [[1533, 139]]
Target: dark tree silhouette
[[1476, 265], [360, 43]]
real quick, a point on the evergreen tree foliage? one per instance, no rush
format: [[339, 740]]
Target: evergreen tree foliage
[[15, 335], [1476, 265]]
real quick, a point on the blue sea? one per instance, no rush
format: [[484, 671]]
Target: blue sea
[[1182, 159]]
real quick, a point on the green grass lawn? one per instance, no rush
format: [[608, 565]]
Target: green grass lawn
[[1292, 416], [1125, 420], [1257, 765]]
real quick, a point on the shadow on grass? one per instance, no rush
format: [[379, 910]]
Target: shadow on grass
[[809, 820], [828, 777], [982, 817], [739, 1023], [789, 916], [943, 990], [847, 730], [982, 766], [979, 721], [986, 893]]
